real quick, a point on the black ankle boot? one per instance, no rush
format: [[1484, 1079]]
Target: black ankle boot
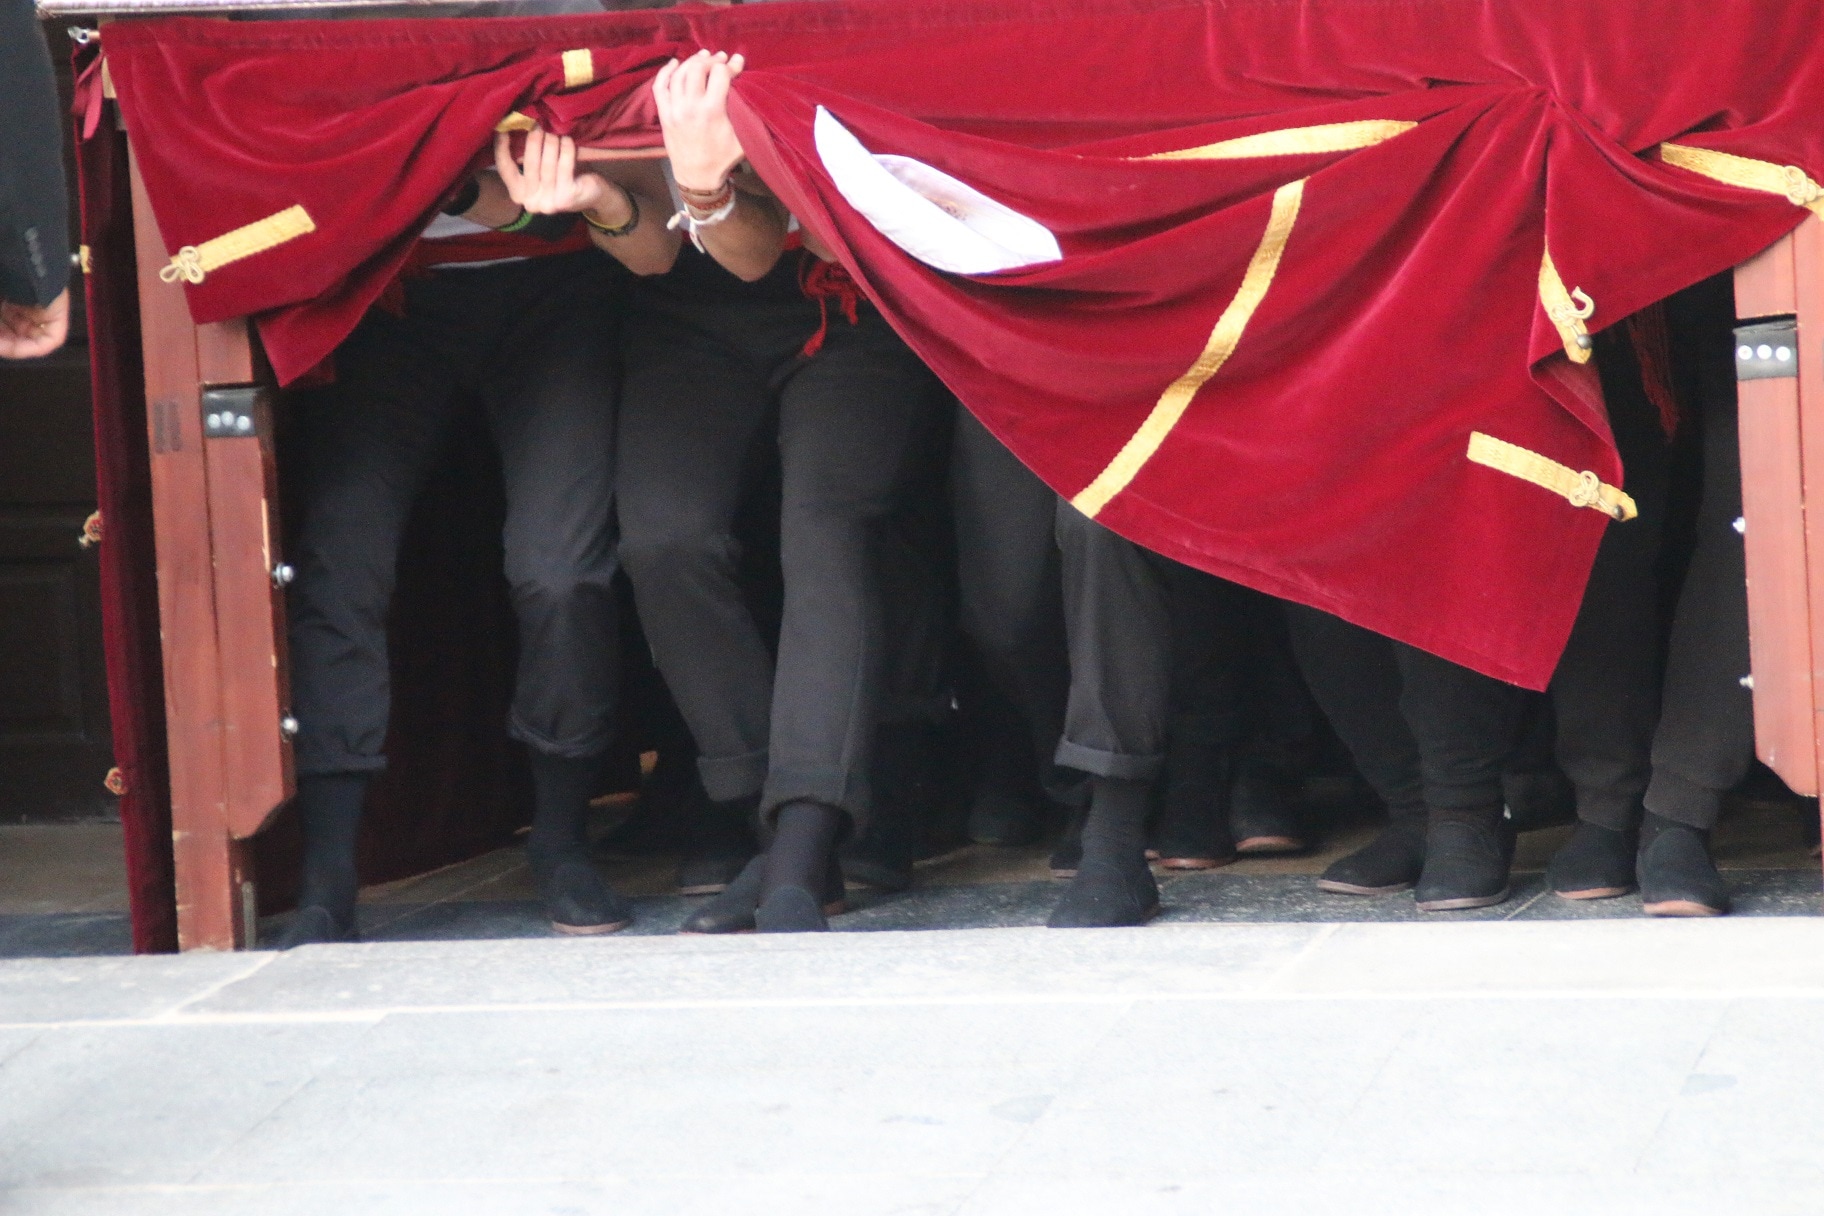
[[1678, 877], [1264, 817], [1389, 863], [734, 910], [1467, 854], [1114, 885], [1192, 830], [907, 788], [1067, 854], [329, 808], [721, 842], [1595, 863], [576, 897]]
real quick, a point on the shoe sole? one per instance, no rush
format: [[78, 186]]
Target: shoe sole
[[1595, 893], [1463, 903], [704, 888], [1681, 908], [1193, 864], [1348, 888], [1270, 846], [1066, 875], [591, 930]]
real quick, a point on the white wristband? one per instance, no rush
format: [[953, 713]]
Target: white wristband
[[692, 224]]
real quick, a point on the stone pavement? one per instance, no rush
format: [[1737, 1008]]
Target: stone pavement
[[1612, 1066]]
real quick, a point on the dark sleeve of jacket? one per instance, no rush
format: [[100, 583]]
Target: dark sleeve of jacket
[[34, 239]]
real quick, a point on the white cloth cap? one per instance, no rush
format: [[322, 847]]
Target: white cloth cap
[[929, 214]]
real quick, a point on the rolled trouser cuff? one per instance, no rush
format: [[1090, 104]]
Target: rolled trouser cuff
[[846, 792], [313, 763], [726, 778], [1099, 763], [1675, 797], [1618, 814], [588, 746]]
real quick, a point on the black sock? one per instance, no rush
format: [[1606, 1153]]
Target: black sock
[[1116, 827], [804, 837], [561, 789], [329, 807]]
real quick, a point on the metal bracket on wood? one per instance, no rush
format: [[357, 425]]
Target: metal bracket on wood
[[234, 412], [1767, 350]]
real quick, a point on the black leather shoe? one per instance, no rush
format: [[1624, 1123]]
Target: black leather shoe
[[313, 925], [1107, 895], [1467, 854], [790, 910], [1595, 863], [577, 899], [1264, 818], [734, 910], [1677, 875], [1067, 854], [1386, 865]]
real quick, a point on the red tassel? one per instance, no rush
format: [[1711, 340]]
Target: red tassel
[[1653, 351], [825, 281]]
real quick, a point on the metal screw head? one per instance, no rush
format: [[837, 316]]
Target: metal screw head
[[282, 574], [288, 726]]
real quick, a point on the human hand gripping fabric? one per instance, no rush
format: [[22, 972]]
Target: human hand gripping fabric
[[550, 183], [692, 99], [29, 331]]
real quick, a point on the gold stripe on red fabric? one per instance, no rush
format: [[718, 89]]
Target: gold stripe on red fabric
[[1177, 397]]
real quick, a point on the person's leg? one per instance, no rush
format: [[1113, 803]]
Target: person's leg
[[367, 444], [1266, 812], [1011, 609], [914, 807], [1606, 690], [857, 430], [1465, 724], [1355, 678], [1118, 619], [1191, 828], [550, 397], [1705, 741], [690, 420]]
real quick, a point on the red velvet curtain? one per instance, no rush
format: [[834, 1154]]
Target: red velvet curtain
[[1328, 456]]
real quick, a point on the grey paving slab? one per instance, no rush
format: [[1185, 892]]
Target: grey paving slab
[[853, 1193], [111, 1105], [57, 990], [801, 1092], [1234, 1086], [969, 964], [1499, 1087], [1387, 1193], [1753, 1101], [1771, 954]]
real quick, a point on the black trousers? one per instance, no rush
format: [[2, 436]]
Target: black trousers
[[1118, 620], [535, 340], [708, 393], [1705, 741], [1606, 691], [1421, 730], [1009, 582]]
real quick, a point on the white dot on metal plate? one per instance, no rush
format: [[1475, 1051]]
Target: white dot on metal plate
[[214, 420], [1783, 354], [243, 423], [1744, 352], [1764, 351]]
